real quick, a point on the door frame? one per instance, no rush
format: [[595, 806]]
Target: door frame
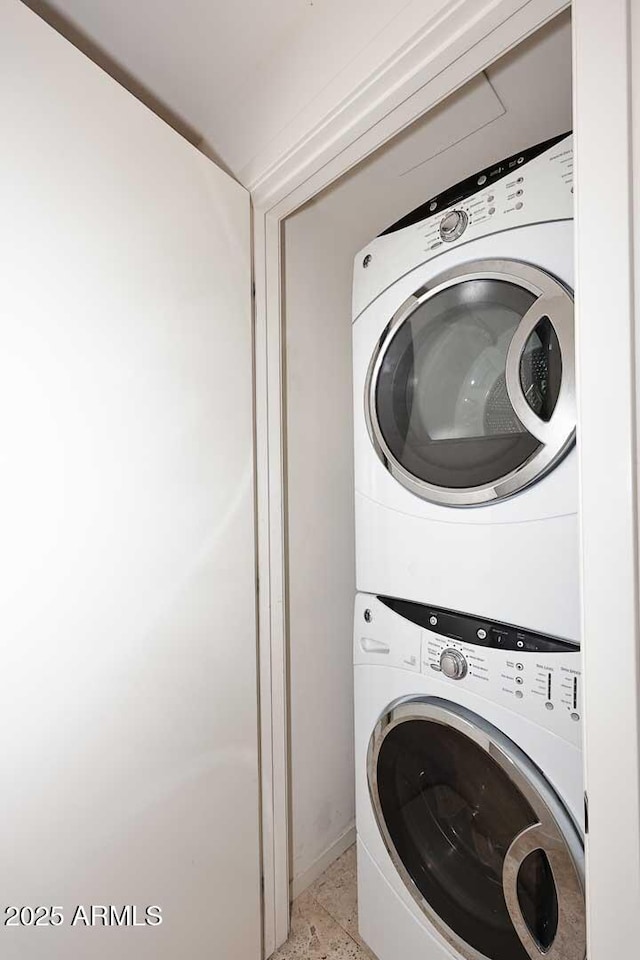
[[606, 40], [445, 52]]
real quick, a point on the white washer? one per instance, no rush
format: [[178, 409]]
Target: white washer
[[465, 465], [469, 791]]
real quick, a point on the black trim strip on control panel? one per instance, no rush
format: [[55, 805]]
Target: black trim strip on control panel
[[476, 630], [466, 188]]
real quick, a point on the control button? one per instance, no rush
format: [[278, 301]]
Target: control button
[[490, 198], [519, 694], [520, 644], [549, 705], [491, 211], [519, 666], [520, 159], [481, 634], [453, 664], [575, 716], [433, 621], [519, 205], [520, 180], [519, 680], [432, 206], [519, 193], [368, 616], [482, 180], [453, 225]]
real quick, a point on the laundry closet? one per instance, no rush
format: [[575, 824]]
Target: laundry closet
[[522, 100], [290, 476]]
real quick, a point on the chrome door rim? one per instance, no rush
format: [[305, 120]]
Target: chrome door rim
[[556, 436], [558, 835]]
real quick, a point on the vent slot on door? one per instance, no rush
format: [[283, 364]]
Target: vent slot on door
[[538, 898], [541, 369]]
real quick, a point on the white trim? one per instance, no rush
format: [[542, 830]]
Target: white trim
[[302, 882], [443, 55], [606, 120], [272, 647]]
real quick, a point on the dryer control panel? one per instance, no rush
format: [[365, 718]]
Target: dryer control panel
[[533, 186], [533, 674]]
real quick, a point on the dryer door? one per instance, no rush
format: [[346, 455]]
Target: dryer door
[[470, 394], [479, 837]]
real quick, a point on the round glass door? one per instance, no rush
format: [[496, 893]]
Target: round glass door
[[470, 395], [478, 836]]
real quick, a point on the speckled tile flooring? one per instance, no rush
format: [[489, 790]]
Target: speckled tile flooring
[[324, 919]]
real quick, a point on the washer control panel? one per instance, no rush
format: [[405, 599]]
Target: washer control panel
[[453, 664], [533, 674], [453, 225], [552, 682]]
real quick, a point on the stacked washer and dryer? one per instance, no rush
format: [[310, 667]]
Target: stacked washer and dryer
[[469, 797]]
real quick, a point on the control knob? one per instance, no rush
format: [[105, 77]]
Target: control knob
[[453, 225], [453, 664]]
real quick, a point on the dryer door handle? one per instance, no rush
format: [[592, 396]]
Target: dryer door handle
[[558, 309], [568, 941]]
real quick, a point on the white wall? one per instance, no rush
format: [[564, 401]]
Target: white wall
[[526, 98], [128, 714], [321, 570]]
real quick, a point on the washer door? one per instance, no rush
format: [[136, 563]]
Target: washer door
[[470, 394], [479, 837]]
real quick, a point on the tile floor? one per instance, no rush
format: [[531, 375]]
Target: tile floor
[[324, 919]]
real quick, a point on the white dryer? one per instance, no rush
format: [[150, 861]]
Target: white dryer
[[469, 789], [463, 335]]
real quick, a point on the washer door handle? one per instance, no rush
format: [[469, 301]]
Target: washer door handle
[[569, 942], [560, 427]]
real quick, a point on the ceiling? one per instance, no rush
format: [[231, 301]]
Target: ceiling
[[231, 77], [522, 99]]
